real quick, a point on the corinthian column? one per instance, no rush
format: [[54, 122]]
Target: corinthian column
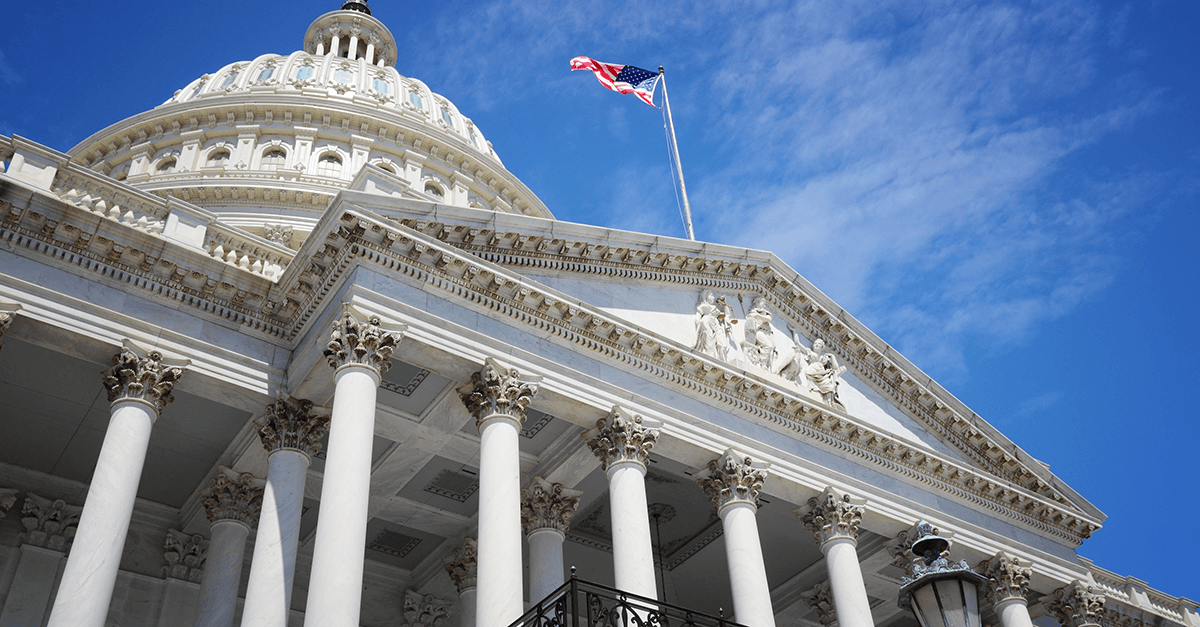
[[833, 518], [232, 502], [732, 481], [291, 433], [1076, 605], [359, 352], [546, 508], [1008, 582], [497, 398], [623, 443], [139, 386], [461, 568]]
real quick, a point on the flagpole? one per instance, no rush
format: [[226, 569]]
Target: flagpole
[[687, 209]]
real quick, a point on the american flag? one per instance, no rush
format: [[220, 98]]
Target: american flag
[[625, 79]]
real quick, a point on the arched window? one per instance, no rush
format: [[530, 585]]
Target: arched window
[[229, 80], [433, 189], [386, 168], [414, 98], [446, 117], [329, 165], [274, 158], [167, 165], [381, 86], [218, 159], [304, 73], [266, 73]]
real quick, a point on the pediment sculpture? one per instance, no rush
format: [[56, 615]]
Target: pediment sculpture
[[815, 371]]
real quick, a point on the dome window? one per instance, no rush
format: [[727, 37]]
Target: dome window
[[266, 73], [386, 168], [471, 133], [415, 100], [446, 117], [381, 86], [304, 73], [199, 88], [342, 76], [218, 159], [167, 165], [329, 165], [229, 80], [434, 190], [274, 159]]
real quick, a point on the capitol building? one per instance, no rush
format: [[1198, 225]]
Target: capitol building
[[295, 348]]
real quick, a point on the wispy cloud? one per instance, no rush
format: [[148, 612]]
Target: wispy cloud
[[7, 73], [1039, 404]]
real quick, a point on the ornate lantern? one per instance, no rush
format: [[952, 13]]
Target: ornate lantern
[[940, 594]]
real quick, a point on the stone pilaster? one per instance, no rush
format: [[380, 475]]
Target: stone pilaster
[[496, 391], [139, 377], [1076, 605], [821, 601], [732, 478], [292, 425], [546, 505], [49, 524], [424, 610], [461, 565], [184, 554], [8, 313], [363, 343], [1008, 578], [833, 516], [621, 438], [237, 498]]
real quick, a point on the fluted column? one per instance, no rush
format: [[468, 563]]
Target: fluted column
[[546, 510], [1008, 583], [139, 385], [623, 442], [497, 398], [461, 568], [1076, 605], [732, 481], [359, 351], [232, 502], [291, 431], [833, 518]]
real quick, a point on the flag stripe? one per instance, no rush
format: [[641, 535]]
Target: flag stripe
[[624, 79]]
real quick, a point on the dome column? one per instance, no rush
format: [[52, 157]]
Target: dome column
[[139, 386], [833, 518], [359, 351]]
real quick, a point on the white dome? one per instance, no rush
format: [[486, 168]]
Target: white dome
[[288, 132]]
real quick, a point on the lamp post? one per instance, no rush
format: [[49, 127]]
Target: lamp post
[[940, 594]]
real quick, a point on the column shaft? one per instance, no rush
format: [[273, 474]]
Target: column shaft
[[222, 574], [747, 573], [633, 554], [335, 588], [545, 563], [467, 600], [499, 600], [846, 583], [269, 590], [91, 572], [1013, 613]]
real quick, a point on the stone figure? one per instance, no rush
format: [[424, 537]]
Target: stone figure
[[759, 345], [821, 372], [713, 318]]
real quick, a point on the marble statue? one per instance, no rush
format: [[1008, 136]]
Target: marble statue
[[713, 319], [818, 370], [759, 345]]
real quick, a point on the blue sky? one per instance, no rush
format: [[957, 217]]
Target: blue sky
[[1004, 191]]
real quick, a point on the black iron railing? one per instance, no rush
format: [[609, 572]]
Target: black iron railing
[[579, 603]]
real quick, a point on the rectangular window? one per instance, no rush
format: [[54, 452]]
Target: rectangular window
[[381, 86], [446, 117], [304, 73], [415, 99], [229, 80], [266, 73], [342, 76]]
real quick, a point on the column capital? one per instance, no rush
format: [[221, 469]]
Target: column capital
[[49, 524], [833, 515], [184, 554], [622, 437], [292, 424], [142, 375], [354, 340], [8, 498], [8, 313], [733, 478], [546, 505], [496, 391], [1008, 578], [1076, 605], [820, 599], [232, 496], [424, 610], [461, 565]]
